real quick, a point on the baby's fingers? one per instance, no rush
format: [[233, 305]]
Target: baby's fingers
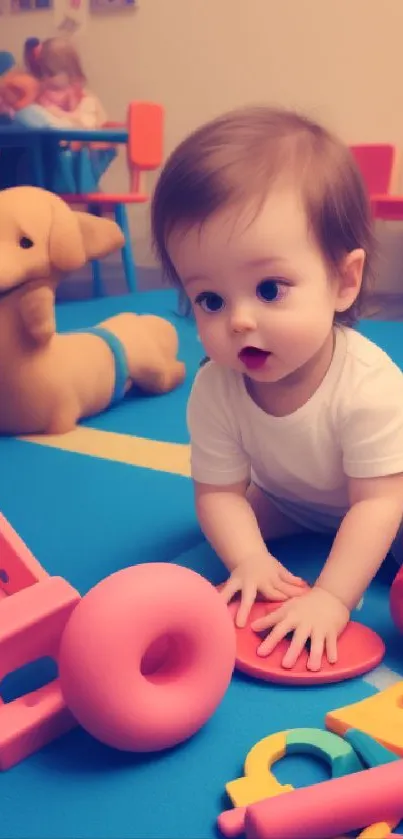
[[275, 636], [297, 644], [230, 588], [272, 591], [316, 652], [248, 597], [269, 620], [288, 577], [331, 647], [288, 589]]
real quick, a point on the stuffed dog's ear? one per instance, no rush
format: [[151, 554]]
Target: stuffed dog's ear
[[66, 245], [100, 236], [75, 237]]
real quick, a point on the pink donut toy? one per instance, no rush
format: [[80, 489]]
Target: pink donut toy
[[147, 656]]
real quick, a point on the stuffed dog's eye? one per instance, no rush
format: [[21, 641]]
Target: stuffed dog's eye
[[26, 243]]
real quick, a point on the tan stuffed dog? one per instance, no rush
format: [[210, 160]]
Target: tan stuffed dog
[[48, 381]]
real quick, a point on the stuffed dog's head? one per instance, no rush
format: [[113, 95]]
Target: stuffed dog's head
[[41, 237]]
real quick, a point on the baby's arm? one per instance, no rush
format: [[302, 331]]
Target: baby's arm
[[370, 431], [229, 523], [364, 537], [361, 544], [220, 471], [230, 526], [370, 426]]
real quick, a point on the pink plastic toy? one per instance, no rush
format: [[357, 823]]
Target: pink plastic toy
[[33, 618], [158, 656], [330, 808], [396, 600], [144, 658], [18, 567]]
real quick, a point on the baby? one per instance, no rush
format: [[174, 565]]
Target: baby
[[63, 87], [296, 420]]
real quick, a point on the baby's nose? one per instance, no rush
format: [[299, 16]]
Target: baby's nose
[[242, 319]]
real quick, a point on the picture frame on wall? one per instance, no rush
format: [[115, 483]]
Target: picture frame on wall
[[21, 6], [112, 5]]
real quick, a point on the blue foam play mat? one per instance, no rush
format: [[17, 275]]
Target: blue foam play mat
[[85, 517]]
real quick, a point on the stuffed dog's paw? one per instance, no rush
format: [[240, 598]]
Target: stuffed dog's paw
[[38, 316]]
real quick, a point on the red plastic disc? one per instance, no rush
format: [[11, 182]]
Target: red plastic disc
[[360, 649]]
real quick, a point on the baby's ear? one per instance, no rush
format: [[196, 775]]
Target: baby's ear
[[350, 276], [100, 236]]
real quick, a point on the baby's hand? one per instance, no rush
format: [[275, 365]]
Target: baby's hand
[[317, 616], [265, 576]]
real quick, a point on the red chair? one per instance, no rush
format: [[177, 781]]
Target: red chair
[[387, 207], [377, 164], [144, 153]]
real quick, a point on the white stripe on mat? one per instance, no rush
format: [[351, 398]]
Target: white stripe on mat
[[382, 677]]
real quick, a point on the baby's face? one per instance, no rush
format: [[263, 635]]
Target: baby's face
[[57, 83], [56, 90], [260, 289]]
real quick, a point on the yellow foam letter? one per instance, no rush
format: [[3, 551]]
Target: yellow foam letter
[[380, 716], [259, 782]]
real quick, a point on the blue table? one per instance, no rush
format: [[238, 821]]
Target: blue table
[[20, 139], [42, 145]]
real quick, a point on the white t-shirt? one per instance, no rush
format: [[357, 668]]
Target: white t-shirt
[[352, 426]]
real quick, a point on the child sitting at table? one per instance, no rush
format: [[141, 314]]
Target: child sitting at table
[[63, 92]]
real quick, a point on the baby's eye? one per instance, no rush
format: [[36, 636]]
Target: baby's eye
[[209, 301], [271, 290]]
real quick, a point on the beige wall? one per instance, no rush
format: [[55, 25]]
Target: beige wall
[[341, 60]]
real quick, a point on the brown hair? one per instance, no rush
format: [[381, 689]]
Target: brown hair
[[58, 55], [238, 156]]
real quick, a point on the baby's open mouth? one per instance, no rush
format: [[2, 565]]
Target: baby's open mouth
[[253, 357]]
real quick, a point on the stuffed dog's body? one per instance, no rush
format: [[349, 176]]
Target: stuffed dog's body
[[48, 380]]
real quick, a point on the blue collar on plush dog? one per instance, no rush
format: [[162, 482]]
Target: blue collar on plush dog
[[120, 357]]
